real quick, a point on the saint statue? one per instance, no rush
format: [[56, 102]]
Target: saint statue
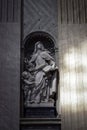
[[40, 77]]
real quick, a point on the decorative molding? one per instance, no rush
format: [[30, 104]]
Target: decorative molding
[[72, 11], [9, 11]]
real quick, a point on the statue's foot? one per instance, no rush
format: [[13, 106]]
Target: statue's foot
[[51, 100], [37, 102]]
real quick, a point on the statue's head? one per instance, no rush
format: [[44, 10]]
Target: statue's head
[[38, 46], [25, 74]]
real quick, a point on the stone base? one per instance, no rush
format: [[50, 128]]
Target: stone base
[[40, 111], [41, 127], [46, 104], [41, 124]]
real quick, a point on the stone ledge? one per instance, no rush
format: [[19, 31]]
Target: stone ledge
[[41, 121]]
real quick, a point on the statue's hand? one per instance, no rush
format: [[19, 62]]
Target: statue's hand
[[26, 60], [31, 70], [26, 81]]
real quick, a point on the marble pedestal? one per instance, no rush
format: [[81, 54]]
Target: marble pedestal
[[42, 110]]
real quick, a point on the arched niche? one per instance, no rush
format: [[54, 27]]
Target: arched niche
[[47, 40], [28, 48]]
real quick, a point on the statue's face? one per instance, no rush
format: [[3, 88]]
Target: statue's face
[[39, 46]]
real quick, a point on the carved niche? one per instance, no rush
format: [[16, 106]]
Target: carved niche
[[40, 72]]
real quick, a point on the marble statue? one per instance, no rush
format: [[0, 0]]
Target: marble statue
[[40, 77]]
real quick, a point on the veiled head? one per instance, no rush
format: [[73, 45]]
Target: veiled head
[[38, 46]]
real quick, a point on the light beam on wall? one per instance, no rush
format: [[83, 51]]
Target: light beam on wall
[[75, 75]]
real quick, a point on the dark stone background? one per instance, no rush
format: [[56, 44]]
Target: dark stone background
[[9, 76], [9, 64]]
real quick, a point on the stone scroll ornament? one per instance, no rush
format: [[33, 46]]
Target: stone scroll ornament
[[39, 77]]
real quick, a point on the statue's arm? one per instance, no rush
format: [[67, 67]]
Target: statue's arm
[[40, 67], [26, 81], [33, 58]]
